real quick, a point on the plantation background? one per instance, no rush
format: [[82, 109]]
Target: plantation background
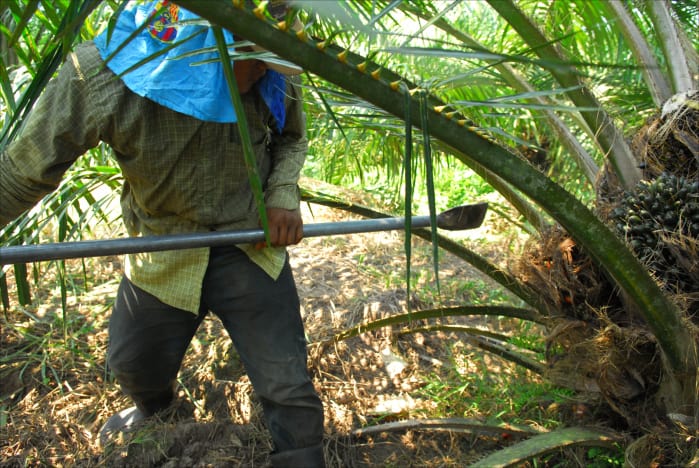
[[560, 333]]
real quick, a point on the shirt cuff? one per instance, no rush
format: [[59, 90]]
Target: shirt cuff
[[287, 197]]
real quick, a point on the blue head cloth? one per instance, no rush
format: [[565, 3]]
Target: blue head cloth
[[188, 76]]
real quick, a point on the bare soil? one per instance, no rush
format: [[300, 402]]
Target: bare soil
[[55, 392]]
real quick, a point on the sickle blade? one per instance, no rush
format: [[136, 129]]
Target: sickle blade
[[462, 217]]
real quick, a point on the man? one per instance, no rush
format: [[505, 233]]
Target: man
[[174, 134]]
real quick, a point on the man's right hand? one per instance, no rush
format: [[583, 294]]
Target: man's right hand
[[285, 227]]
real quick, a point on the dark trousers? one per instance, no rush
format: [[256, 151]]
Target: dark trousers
[[148, 340]]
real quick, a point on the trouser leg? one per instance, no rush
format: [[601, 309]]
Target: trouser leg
[[263, 318], [147, 341]]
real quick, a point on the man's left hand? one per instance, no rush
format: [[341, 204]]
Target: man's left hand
[[285, 227]]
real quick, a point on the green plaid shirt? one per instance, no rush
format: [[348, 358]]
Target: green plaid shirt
[[181, 174]]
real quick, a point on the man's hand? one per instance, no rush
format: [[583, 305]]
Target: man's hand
[[285, 227]]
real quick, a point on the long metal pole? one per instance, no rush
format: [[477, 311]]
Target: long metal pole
[[98, 248]]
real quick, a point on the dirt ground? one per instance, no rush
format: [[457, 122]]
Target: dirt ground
[[55, 392]]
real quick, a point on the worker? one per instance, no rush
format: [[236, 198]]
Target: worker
[[174, 133]]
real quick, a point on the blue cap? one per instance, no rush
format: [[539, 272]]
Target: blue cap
[[182, 69]]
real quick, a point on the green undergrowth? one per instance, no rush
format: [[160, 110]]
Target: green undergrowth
[[472, 384]]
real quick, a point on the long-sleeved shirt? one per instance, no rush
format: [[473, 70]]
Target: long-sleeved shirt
[[181, 174]]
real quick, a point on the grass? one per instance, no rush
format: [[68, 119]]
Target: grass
[[475, 385]]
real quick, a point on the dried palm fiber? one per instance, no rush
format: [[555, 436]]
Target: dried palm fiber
[[595, 343], [669, 141], [620, 364], [664, 446], [556, 268]]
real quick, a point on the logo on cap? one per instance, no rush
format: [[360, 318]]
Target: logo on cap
[[164, 16]]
